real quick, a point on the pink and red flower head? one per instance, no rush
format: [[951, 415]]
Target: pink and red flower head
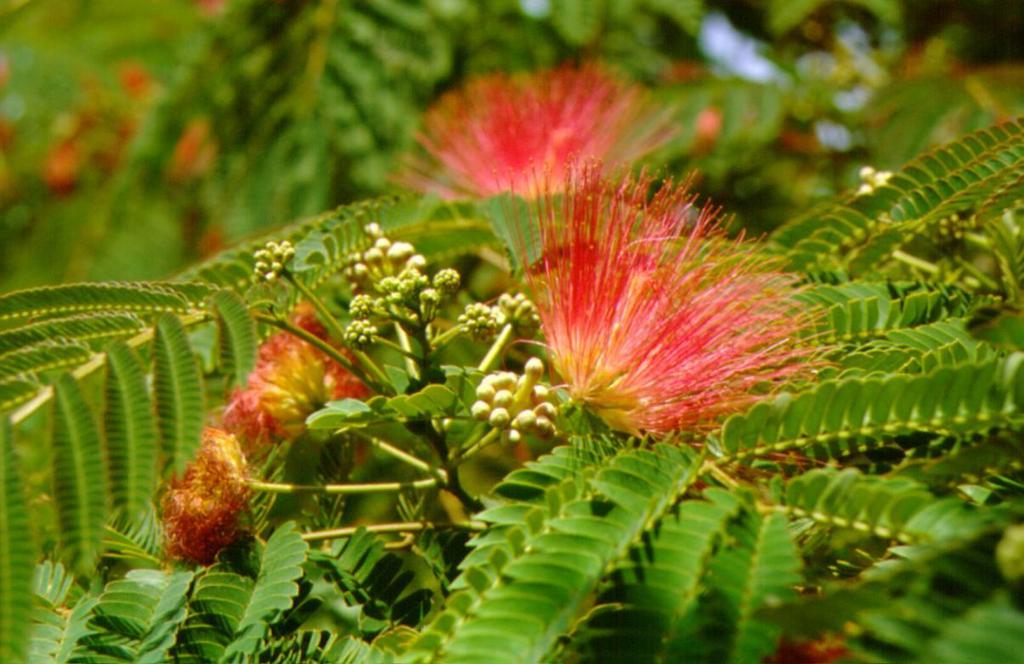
[[291, 380], [653, 318], [499, 131], [202, 509]]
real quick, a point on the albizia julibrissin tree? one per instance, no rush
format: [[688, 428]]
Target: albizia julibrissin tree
[[740, 451]]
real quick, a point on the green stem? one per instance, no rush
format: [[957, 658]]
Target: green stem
[[326, 317], [447, 336], [410, 359], [404, 456], [486, 439], [723, 477], [404, 527], [915, 262], [499, 344], [982, 278], [978, 240], [343, 489]]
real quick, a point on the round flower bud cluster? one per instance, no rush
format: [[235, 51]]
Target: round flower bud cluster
[[482, 321], [392, 284], [872, 179], [383, 258], [521, 313], [271, 259], [952, 229], [360, 333], [516, 405]]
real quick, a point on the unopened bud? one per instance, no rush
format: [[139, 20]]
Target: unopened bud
[[540, 393], [499, 418], [485, 391], [534, 368], [480, 410], [503, 399], [546, 409], [400, 251], [513, 436], [525, 420]]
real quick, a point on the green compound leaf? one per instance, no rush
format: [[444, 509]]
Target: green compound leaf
[[837, 417], [238, 338], [231, 611], [17, 553], [179, 392], [141, 297], [136, 618], [130, 428], [79, 475]]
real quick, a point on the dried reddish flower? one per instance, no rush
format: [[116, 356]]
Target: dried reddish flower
[[202, 508], [291, 380], [653, 318], [499, 131]]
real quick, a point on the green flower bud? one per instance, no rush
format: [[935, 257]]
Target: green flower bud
[[373, 256], [506, 380], [429, 301], [372, 229], [480, 410], [360, 333], [503, 399], [400, 252], [540, 393], [525, 420], [499, 418], [485, 391], [480, 320], [383, 244], [447, 281], [363, 306], [534, 368], [544, 427], [546, 409], [513, 436]]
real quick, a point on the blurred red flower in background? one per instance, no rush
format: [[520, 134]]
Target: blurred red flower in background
[[505, 132]]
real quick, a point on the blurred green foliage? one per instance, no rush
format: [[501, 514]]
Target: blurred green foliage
[[138, 137]]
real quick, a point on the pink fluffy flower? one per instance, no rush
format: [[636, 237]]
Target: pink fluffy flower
[[499, 131], [291, 380], [653, 318]]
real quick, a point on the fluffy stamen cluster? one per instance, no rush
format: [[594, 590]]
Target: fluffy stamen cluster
[[516, 405], [291, 380], [654, 319], [497, 133], [202, 509]]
